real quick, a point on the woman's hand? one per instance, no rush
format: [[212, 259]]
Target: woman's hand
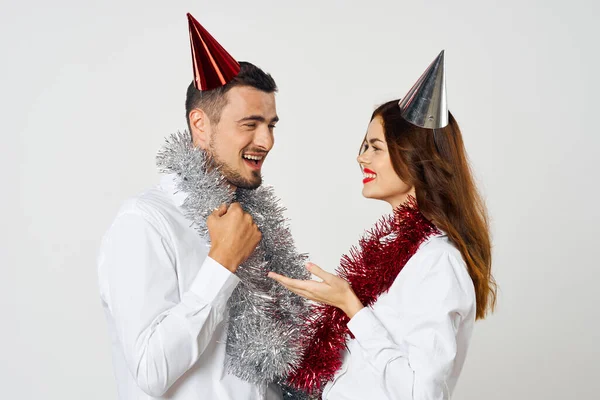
[[333, 290]]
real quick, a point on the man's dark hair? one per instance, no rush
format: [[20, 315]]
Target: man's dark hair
[[213, 101]]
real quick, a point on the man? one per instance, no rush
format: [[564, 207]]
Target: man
[[165, 285]]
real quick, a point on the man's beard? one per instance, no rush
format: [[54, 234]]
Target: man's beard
[[233, 176]]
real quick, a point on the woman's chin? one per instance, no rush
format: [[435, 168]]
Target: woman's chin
[[368, 194]]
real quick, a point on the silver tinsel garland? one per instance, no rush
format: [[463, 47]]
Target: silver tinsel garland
[[265, 339]]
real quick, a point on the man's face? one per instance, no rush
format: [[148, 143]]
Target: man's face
[[241, 140]]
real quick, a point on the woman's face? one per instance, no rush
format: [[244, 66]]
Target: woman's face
[[380, 181]]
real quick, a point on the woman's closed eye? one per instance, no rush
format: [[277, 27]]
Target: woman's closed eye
[[364, 148]]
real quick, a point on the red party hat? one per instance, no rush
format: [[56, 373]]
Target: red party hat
[[213, 65]]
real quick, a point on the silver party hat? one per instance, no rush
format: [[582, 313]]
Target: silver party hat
[[425, 103]]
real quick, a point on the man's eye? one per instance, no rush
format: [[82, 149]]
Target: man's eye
[[250, 125], [271, 126]]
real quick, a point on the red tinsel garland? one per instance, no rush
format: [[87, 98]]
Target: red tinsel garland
[[371, 270]]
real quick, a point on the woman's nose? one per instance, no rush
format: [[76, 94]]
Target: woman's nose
[[361, 159]]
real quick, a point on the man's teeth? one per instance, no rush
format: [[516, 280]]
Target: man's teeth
[[255, 158], [370, 176]]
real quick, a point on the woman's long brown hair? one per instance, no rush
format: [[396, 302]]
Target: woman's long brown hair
[[435, 163]]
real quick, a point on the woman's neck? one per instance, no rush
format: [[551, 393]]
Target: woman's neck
[[400, 199]]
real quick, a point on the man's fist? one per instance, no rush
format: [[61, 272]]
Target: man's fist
[[233, 235]]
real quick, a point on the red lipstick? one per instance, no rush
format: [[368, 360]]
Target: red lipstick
[[368, 171]]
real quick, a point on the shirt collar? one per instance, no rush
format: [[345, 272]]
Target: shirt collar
[[168, 184]]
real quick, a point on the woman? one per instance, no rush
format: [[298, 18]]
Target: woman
[[396, 322]]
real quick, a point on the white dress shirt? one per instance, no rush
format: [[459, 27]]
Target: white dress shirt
[[165, 303], [412, 343]]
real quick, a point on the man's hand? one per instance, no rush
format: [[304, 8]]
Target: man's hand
[[233, 235]]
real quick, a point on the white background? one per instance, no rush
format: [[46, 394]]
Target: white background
[[90, 89]]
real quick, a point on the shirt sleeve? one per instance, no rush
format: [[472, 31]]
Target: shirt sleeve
[[417, 365], [162, 332]]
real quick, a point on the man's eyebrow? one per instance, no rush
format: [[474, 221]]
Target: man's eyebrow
[[258, 118]]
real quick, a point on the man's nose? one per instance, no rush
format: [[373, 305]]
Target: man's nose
[[264, 138]]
